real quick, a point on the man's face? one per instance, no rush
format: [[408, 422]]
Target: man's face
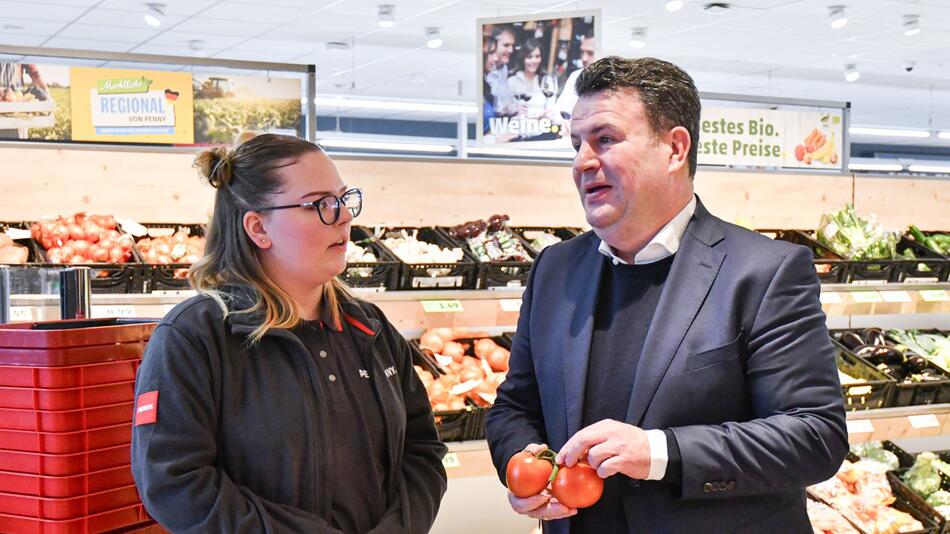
[[621, 170], [506, 45], [587, 52]]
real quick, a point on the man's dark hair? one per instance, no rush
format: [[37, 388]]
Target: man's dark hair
[[668, 94], [502, 29]]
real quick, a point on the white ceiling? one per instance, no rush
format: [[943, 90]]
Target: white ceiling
[[762, 47]]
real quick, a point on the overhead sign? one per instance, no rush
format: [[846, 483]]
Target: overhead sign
[[755, 137], [131, 106]]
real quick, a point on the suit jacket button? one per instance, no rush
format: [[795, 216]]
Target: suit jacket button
[[707, 487]]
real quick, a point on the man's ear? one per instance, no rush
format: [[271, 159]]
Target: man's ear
[[680, 143], [254, 227]]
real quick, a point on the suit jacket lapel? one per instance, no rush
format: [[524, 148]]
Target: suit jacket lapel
[[691, 276], [576, 349]]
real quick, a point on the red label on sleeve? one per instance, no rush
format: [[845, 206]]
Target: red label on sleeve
[[146, 408]]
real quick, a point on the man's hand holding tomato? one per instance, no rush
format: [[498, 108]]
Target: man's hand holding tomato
[[610, 447], [542, 505]]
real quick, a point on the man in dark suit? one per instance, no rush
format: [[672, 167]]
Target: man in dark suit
[[685, 358]]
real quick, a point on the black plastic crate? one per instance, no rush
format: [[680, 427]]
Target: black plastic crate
[[929, 267], [860, 271], [876, 390], [168, 276], [909, 393], [416, 276], [832, 268], [944, 397], [108, 278], [497, 274], [565, 233], [383, 274], [909, 235], [452, 425]]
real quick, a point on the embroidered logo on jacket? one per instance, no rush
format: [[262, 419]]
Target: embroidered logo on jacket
[[390, 371], [364, 373], [146, 408]]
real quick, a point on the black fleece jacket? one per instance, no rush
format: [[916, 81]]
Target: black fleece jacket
[[241, 439]]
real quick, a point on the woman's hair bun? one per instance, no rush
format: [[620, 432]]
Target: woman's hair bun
[[214, 165]]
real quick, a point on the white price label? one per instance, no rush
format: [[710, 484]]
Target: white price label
[[934, 295], [868, 282], [896, 296], [830, 298], [924, 421], [860, 426], [451, 460], [510, 305], [18, 233], [866, 297], [21, 313], [112, 311]]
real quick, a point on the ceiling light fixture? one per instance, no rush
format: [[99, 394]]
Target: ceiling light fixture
[[674, 5], [880, 167], [716, 8], [196, 45], [12, 27], [337, 46], [361, 144], [851, 73], [911, 25], [888, 132], [154, 14], [433, 37], [638, 37], [944, 135], [934, 169], [836, 17], [521, 153], [386, 17], [396, 105]]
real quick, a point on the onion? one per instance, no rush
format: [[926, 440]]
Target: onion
[[432, 341]]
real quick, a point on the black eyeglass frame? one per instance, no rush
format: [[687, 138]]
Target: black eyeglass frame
[[314, 203]]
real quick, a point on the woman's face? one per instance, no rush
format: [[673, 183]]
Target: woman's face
[[532, 61], [303, 248]]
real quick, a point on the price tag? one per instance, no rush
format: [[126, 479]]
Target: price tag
[[451, 460], [860, 426], [934, 295], [510, 305], [112, 311], [866, 297], [18, 233], [442, 306], [21, 313], [896, 296], [924, 421], [830, 298]]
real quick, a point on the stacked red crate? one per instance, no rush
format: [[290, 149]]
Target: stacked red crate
[[66, 402]]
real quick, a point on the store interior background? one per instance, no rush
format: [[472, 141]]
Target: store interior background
[[769, 48]]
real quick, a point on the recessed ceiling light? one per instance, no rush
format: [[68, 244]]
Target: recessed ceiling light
[[851, 73], [387, 16], [638, 37], [715, 8], [337, 46], [154, 14], [674, 5], [836, 17], [911, 25], [433, 37], [196, 44]]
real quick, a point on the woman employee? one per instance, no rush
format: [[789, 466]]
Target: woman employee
[[274, 401]]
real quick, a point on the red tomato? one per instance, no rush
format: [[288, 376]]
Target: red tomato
[[116, 255], [60, 233], [527, 474], [77, 259], [578, 486], [91, 231], [80, 247], [125, 242], [67, 251], [76, 232], [100, 254]]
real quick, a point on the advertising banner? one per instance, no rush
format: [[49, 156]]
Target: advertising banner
[[34, 101], [742, 136], [527, 67], [131, 106], [226, 106]]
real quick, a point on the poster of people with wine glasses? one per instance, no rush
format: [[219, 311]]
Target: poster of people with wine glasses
[[528, 68]]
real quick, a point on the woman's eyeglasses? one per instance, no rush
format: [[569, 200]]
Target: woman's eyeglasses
[[328, 207]]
